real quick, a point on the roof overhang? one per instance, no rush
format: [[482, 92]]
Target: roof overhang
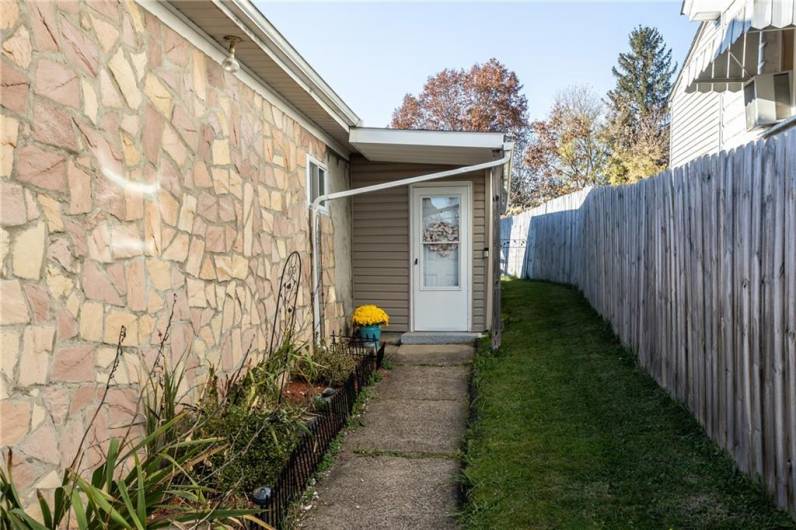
[[703, 10], [268, 56], [427, 147], [735, 54]]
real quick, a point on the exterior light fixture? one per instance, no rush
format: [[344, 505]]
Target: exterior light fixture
[[230, 63], [261, 496]]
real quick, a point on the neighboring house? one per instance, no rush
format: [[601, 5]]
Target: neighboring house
[[137, 175], [736, 84]]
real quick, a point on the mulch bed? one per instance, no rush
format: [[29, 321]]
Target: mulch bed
[[301, 392]]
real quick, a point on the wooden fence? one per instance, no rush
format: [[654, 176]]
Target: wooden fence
[[695, 268]]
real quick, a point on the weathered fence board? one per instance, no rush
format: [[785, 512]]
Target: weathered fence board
[[696, 271]]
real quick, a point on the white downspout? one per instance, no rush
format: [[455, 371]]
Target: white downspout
[[315, 235], [490, 284]]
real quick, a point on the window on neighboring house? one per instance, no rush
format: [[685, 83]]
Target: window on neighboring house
[[782, 95], [316, 182], [768, 99]]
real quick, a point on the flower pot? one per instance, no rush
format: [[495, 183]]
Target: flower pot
[[371, 333]]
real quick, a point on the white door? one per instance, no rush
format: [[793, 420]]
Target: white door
[[441, 258]]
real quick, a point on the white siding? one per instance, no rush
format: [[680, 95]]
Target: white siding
[[696, 126], [733, 121], [704, 123], [696, 116]]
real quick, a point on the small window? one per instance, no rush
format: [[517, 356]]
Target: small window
[[316, 182]]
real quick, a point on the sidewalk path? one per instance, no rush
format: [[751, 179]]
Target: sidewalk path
[[400, 468]]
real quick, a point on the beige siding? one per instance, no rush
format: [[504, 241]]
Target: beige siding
[[380, 249]]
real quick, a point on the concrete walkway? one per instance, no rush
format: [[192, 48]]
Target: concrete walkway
[[400, 468]]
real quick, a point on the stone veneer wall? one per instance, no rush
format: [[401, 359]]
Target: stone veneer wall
[[134, 171]]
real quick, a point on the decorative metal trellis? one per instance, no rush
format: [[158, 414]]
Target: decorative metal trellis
[[284, 321], [513, 243], [324, 426], [511, 249]]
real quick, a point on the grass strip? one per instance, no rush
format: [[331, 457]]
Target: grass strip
[[568, 432]]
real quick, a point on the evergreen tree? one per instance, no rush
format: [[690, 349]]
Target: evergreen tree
[[638, 129]]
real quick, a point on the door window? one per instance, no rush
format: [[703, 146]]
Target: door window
[[441, 228]]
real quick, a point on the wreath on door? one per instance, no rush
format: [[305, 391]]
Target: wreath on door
[[444, 237]]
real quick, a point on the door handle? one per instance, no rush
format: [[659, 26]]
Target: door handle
[[415, 261]]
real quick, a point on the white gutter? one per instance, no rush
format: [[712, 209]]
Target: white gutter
[[423, 138], [314, 232]]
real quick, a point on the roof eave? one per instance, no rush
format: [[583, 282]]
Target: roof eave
[[492, 140], [431, 147], [304, 105], [688, 55], [269, 37]]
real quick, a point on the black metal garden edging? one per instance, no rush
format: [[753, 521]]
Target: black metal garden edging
[[321, 430], [275, 500]]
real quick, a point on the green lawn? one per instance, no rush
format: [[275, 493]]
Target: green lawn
[[569, 433]]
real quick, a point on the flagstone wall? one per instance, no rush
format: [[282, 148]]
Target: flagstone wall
[[136, 177]]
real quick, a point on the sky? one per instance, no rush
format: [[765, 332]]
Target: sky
[[372, 53]]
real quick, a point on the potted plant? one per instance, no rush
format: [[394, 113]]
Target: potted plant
[[369, 319]]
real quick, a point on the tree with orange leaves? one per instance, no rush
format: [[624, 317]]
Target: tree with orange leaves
[[485, 98]]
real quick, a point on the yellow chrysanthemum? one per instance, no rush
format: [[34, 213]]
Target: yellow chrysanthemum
[[370, 315]]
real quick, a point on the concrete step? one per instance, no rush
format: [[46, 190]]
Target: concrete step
[[439, 337], [440, 354], [391, 337]]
